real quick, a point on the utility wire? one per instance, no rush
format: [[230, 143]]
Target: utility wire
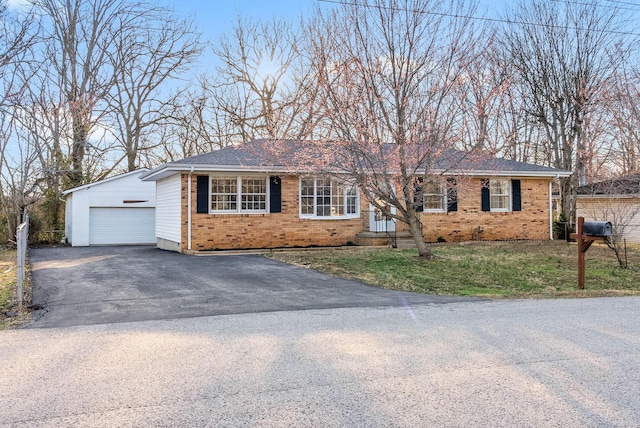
[[625, 3], [473, 17], [636, 9]]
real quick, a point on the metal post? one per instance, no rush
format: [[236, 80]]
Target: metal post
[[581, 251], [20, 245]]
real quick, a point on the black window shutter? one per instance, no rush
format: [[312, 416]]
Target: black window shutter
[[516, 195], [486, 200], [418, 196], [202, 194], [452, 195], [275, 194]]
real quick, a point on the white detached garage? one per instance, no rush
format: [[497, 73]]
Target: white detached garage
[[113, 211]]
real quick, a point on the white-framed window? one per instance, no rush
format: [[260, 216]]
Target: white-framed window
[[238, 195], [254, 194], [434, 196], [500, 195], [326, 198]]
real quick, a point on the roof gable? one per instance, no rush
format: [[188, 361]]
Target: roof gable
[[107, 180]]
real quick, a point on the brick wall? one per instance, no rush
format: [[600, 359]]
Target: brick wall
[[286, 229], [462, 225]]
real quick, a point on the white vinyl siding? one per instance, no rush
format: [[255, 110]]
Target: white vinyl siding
[[124, 192], [616, 210], [168, 210]]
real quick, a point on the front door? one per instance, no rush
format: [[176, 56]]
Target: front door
[[380, 221]]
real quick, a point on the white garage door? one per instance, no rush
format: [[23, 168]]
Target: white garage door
[[122, 226]]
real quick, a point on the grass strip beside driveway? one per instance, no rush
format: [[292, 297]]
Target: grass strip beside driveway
[[495, 270]]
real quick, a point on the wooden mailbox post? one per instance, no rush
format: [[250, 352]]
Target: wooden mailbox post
[[585, 239]]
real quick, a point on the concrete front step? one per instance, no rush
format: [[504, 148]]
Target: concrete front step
[[404, 243], [366, 238]]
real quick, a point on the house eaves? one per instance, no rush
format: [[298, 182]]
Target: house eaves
[[168, 170], [609, 197], [514, 173]]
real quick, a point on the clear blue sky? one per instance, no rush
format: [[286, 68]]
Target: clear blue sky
[[218, 16]]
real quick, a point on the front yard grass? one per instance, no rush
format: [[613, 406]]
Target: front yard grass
[[494, 270]]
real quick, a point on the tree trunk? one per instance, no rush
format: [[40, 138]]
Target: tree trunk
[[76, 176], [568, 199], [418, 237]]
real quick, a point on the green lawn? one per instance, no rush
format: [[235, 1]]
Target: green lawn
[[497, 270]]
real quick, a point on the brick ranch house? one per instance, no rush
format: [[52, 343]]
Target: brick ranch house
[[229, 199]]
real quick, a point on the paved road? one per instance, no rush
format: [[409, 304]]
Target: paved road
[[92, 285], [542, 363]]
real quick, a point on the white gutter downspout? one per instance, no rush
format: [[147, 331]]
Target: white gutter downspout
[[189, 210], [551, 209]]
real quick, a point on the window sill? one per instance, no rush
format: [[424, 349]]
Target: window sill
[[237, 212], [343, 217]]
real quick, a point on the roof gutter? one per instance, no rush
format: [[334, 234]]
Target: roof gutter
[[167, 170]]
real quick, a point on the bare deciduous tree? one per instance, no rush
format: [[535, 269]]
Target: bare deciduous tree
[[559, 53], [144, 60], [624, 120], [389, 73], [17, 33], [259, 84], [193, 125], [78, 41]]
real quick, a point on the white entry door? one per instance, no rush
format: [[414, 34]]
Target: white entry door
[[380, 221]]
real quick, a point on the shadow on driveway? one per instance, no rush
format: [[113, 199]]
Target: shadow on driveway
[[99, 285]]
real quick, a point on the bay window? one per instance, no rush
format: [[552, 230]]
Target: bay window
[[326, 198]]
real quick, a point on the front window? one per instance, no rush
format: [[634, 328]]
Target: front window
[[238, 194], [434, 197], [224, 194], [254, 194], [325, 198], [499, 195]]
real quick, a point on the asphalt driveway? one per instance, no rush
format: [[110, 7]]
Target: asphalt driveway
[[98, 285]]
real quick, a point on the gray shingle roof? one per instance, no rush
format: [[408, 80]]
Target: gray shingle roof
[[280, 155], [247, 154], [628, 185]]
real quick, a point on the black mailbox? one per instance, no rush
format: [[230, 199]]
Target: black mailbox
[[597, 228]]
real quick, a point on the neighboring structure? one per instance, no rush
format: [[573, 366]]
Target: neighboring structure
[[117, 210], [617, 201], [231, 199]]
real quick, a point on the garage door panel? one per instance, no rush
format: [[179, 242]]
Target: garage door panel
[[110, 226]]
